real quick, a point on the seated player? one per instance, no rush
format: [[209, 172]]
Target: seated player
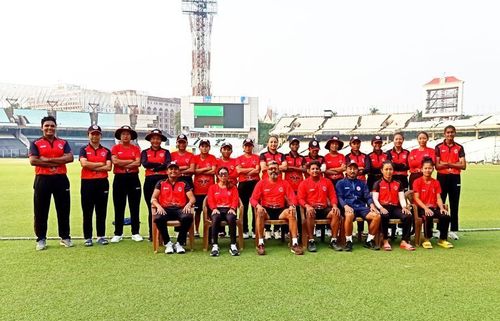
[[269, 198], [223, 200], [173, 200], [389, 198], [317, 195], [356, 201], [430, 205]]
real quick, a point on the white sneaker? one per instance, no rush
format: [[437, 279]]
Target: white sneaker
[[268, 235], [179, 249], [328, 232], [453, 235], [277, 235], [318, 233], [245, 236], [169, 248], [252, 235], [116, 239], [137, 238], [41, 245]]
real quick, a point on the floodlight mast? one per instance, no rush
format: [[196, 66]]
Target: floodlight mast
[[201, 14]]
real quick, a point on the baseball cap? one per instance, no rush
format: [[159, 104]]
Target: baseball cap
[[182, 137], [204, 141], [226, 144], [354, 138], [352, 163], [248, 141], [94, 128], [376, 138], [314, 144], [173, 164], [294, 139]]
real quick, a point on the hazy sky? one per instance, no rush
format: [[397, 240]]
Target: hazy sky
[[297, 56]]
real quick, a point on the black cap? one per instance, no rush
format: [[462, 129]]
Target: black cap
[[376, 138], [182, 137], [94, 128], [158, 132], [294, 139], [204, 141], [314, 144], [353, 163], [248, 141], [120, 130], [334, 139], [226, 144], [173, 164], [354, 138]]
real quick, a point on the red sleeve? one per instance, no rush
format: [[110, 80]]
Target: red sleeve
[[332, 196], [257, 191], [114, 150], [235, 201], [192, 160], [438, 186], [211, 201], [301, 194]]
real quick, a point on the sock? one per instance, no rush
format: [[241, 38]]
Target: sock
[[234, 247], [261, 241], [370, 237], [294, 241], [334, 239], [215, 246], [348, 238], [311, 240]]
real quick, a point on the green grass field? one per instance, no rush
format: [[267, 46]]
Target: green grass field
[[127, 281]]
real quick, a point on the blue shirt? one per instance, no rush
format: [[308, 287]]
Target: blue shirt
[[353, 192]]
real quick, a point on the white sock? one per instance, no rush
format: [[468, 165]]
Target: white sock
[[261, 241], [370, 237], [348, 238], [334, 239], [294, 240], [234, 247], [311, 240], [215, 246]]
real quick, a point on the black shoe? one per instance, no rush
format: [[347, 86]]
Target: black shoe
[[371, 245], [335, 246], [311, 246], [348, 246]]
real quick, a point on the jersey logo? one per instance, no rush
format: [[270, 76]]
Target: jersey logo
[[60, 146], [280, 189], [456, 151], [358, 188], [179, 189], [324, 188], [162, 154]]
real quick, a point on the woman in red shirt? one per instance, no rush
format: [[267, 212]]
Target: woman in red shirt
[[335, 161], [126, 158], [399, 158], [417, 155], [389, 198], [428, 198], [223, 200], [377, 158]]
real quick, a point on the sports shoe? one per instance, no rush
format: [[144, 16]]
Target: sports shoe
[[215, 250], [348, 246], [245, 235], [371, 245], [137, 238], [435, 234], [297, 249], [116, 239], [66, 242], [88, 242], [179, 249], [261, 250], [318, 233], [335, 246], [445, 244], [427, 245], [252, 234], [102, 241], [277, 235], [169, 248], [328, 232], [233, 250], [197, 234], [268, 235], [311, 246], [453, 235], [41, 245]]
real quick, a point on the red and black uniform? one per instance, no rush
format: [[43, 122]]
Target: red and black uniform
[[309, 159], [271, 195], [51, 181], [389, 199], [427, 192], [268, 156], [318, 194], [415, 162], [173, 199], [400, 162], [231, 167], [126, 185], [334, 161], [223, 199], [375, 173], [183, 160], [155, 162], [94, 190], [246, 185], [202, 181], [295, 177], [449, 178], [363, 162]]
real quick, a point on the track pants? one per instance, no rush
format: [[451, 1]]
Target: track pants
[[444, 222], [216, 223], [450, 187], [94, 195], [126, 186], [395, 212], [148, 189], [174, 214], [245, 190]]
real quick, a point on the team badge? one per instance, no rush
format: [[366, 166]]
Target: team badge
[[324, 188], [358, 188], [280, 189]]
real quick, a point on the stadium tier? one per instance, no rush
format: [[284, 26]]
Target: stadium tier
[[370, 124], [306, 126], [3, 116]]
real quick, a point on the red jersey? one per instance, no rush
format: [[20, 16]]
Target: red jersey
[[416, 157], [91, 154], [43, 147], [268, 156], [273, 194], [427, 191], [449, 154], [222, 197], [363, 162], [203, 181], [388, 191], [130, 152], [334, 161], [376, 160], [231, 166], [248, 162], [292, 176], [182, 160], [317, 193], [399, 160], [173, 195], [309, 159], [155, 161]]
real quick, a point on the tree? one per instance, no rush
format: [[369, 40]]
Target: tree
[[264, 129], [177, 122]]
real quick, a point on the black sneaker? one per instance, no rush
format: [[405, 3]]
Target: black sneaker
[[348, 246], [311, 246], [371, 245], [335, 246]]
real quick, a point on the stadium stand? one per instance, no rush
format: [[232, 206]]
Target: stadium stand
[[469, 123], [10, 146], [396, 122], [68, 119], [339, 124], [421, 126], [107, 120], [30, 117], [490, 123], [282, 126], [370, 124], [3, 116], [147, 121], [482, 150], [304, 126], [121, 119]]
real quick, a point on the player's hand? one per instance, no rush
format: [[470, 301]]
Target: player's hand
[[406, 211], [384, 211], [160, 210], [336, 210], [428, 212], [444, 212]]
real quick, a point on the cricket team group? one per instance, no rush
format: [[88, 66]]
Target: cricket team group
[[271, 186]]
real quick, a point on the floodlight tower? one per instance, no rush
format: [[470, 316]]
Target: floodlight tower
[[201, 14]]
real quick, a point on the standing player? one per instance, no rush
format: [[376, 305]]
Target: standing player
[[96, 163], [183, 159], [50, 154], [225, 160], [248, 168], [417, 155], [203, 166], [155, 160], [294, 174], [363, 161], [450, 161], [126, 158], [399, 158], [377, 158], [314, 155]]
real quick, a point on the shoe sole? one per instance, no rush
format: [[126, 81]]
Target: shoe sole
[[233, 254]]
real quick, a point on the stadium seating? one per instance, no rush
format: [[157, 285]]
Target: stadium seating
[[396, 122], [3, 116], [306, 126], [10, 146], [68, 119], [339, 124], [107, 120], [32, 116], [370, 124], [282, 126]]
